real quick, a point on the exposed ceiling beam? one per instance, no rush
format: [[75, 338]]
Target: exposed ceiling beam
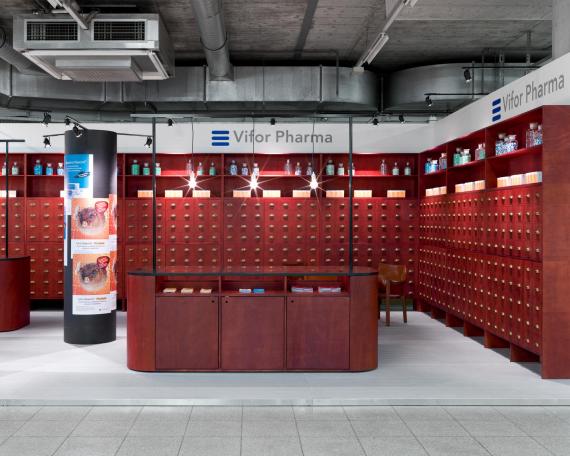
[[305, 27]]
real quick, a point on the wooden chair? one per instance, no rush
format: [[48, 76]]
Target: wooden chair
[[388, 274]]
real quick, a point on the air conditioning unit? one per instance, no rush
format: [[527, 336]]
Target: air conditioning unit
[[115, 47]]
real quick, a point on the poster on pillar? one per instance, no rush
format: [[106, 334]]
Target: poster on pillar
[[113, 267]]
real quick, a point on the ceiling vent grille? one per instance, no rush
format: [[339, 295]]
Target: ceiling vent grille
[[51, 31], [119, 30]]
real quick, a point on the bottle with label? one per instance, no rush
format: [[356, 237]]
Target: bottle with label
[[480, 152], [4, 169], [49, 170], [329, 170], [146, 169], [427, 166], [538, 136], [200, 169], [233, 168], [135, 168], [298, 169], [443, 161], [244, 169], [157, 170], [466, 156], [309, 169], [212, 170], [383, 168], [434, 167], [353, 169], [500, 144], [395, 170], [287, 167], [60, 170], [531, 134], [255, 169], [15, 169], [38, 168], [407, 169], [340, 170], [457, 157], [513, 143]]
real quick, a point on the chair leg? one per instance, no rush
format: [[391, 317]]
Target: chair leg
[[404, 308], [388, 304]]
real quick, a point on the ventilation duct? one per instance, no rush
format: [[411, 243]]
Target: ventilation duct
[[14, 58], [214, 38]]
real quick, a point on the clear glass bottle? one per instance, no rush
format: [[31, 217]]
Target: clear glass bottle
[[15, 169], [135, 168], [38, 168], [287, 168], [244, 169], [157, 169], [49, 170], [189, 167], [329, 170], [531, 134], [480, 152], [395, 170], [309, 169], [514, 144], [212, 170], [146, 169], [255, 169], [500, 144], [538, 137], [200, 169], [340, 170], [443, 161], [383, 168], [457, 157], [407, 169], [233, 168], [466, 157], [60, 171], [434, 166], [4, 169], [298, 169], [427, 166]]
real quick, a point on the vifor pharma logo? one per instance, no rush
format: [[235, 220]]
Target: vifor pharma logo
[[496, 109], [220, 138]]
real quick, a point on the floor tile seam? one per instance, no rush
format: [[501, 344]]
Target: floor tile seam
[[513, 422], [71, 432], [507, 437], [127, 433], [297, 428], [355, 433], [412, 432], [542, 445], [472, 436]]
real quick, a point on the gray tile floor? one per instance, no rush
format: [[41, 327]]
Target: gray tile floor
[[284, 431]]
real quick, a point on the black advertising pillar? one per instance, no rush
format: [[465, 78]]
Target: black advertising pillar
[[90, 236]]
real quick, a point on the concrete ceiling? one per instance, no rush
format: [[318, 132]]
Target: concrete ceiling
[[434, 31]]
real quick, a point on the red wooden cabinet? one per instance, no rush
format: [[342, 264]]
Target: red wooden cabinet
[[187, 333], [318, 333], [253, 333]]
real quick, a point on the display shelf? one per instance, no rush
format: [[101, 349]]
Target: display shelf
[[470, 164]]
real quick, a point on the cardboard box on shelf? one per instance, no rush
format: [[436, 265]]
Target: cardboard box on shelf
[[396, 193], [335, 194], [363, 193], [242, 193], [144, 193], [272, 193], [301, 193], [201, 193]]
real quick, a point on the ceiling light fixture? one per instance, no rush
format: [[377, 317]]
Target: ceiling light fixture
[[170, 122], [374, 49], [77, 131], [467, 76], [67, 121], [401, 118], [47, 119], [148, 142], [429, 101], [272, 121], [47, 142], [375, 121]]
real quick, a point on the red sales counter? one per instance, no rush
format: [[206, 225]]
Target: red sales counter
[[277, 330], [15, 286]]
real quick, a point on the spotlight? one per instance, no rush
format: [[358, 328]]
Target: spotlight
[[77, 131], [47, 119], [192, 181], [148, 142], [314, 184], [47, 142], [401, 118], [272, 121], [428, 101], [170, 122], [467, 76], [67, 121], [253, 182], [375, 121]]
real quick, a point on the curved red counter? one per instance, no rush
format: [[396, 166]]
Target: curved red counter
[[15, 286], [277, 330]]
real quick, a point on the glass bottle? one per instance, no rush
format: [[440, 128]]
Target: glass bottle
[[244, 169], [466, 157], [4, 169], [480, 152], [457, 157], [49, 170], [15, 169], [434, 166], [157, 169], [233, 168], [298, 169], [514, 144], [383, 168], [309, 169], [200, 169], [146, 169], [340, 170], [353, 169], [531, 134], [255, 169], [538, 137], [443, 161], [38, 168], [407, 169], [212, 170], [329, 170], [287, 167], [189, 167], [500, 144], [395, 170], [427, 166], [135, 168]]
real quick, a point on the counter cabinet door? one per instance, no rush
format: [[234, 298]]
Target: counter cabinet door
[[318, 333], [253, 333], [187, 333]]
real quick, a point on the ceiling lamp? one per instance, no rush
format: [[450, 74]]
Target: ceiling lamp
[[373, 50], [314, 184], [47, 142], [467, 76], [401, 118], [272, 121], [77, 131], [47, 119], [148, 142], [375, 121], [170, 122], [429, 102]]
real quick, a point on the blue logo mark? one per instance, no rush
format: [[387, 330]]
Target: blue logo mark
[[496, 109], [220, 138]]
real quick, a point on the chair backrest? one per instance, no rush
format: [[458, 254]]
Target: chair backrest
[[392, 273]]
